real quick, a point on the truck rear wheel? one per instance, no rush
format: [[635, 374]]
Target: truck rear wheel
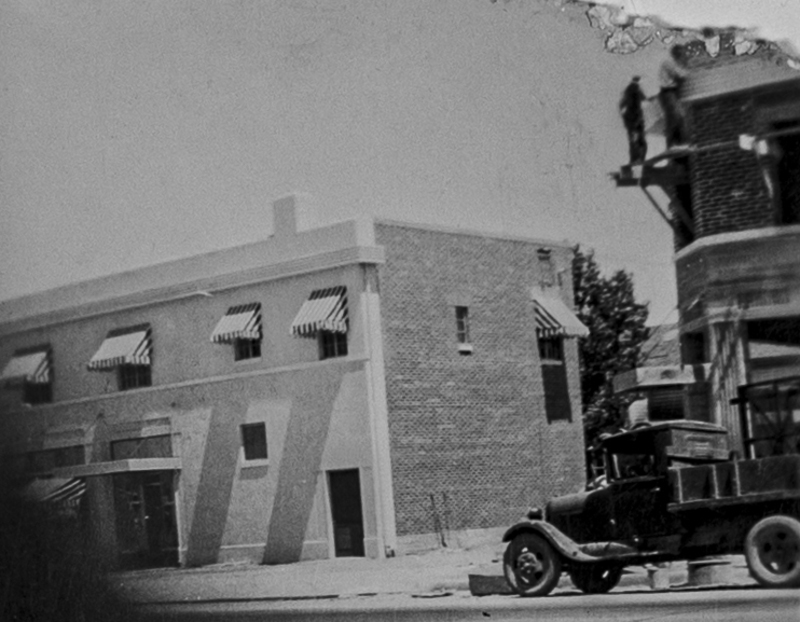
[[595, 578], [772, 551], [531, 566]]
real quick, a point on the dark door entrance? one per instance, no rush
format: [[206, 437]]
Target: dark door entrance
[[348, 524], [144, 504]]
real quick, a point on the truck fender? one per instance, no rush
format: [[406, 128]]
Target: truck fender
[[563, 544]]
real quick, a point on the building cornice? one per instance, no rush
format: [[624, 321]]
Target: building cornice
[[738, 237], [473, 233], [65, 305]]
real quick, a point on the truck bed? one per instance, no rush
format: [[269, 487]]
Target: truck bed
[[732, 483]]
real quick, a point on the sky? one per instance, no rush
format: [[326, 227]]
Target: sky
[[140, 131]]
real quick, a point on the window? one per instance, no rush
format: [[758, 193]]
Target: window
[[241, 327], [128, 352], [31, 370], [694, 347], [557, 402], [546, 268], [770, 416], [332, 344], [634, 465], [551, 349], [462, 324], [788, 172], [324, 316], [133, 376], [244, 349], [37, 393], [49, 459], [159, 446], [254, 441]]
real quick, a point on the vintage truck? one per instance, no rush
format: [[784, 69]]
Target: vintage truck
[[672, 491]]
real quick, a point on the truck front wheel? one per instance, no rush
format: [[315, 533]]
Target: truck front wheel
[[531, 566], [772, 551], [595, 578]]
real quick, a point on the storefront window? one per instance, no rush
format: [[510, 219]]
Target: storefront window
[[770, 414]]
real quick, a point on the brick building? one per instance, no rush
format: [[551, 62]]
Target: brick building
[[358, 389], [734, 203]]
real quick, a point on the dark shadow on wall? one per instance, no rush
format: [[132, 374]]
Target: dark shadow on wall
[[306, 435], [556, 393], [216, 483]]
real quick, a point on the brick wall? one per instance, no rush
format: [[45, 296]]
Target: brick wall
[[471, 445], [728, 190]]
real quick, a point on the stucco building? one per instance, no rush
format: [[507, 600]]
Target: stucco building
[[364, 388], [734, 206]]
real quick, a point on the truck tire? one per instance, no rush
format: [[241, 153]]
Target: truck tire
[[531, 565], [772, 551], [595, 578]]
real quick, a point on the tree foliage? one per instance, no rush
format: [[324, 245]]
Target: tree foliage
[[616, 322]]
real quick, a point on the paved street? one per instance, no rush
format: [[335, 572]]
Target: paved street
[[435, 586], [730, 605]]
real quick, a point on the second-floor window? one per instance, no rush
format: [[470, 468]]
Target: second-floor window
[[332, 344], [241, 328], [324, 317], [128, 352], [462, 325], [547, 274], [551, 349], [34, 393], [244, 349], [30, 369], [788, 172], [133, 376]]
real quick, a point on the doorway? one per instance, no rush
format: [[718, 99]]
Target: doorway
[[346, 514], [144, 504]]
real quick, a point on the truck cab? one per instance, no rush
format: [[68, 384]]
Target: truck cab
[[629, 504]]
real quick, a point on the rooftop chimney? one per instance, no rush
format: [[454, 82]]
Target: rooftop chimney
[[292, 213]]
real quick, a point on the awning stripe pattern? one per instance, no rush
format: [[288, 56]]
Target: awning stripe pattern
[[325, 309], [55, 490], [28, 367], [555, 319], [240, 322], [132, 348], [68, 493]]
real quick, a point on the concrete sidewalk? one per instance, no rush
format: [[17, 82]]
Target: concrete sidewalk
[[429, 575]]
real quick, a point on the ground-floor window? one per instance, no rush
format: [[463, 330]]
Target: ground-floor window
[[254, 441], [770, 418]]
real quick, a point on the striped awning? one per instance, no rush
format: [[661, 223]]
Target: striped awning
[[131, 346], [57, 490], [240, 322], [325, 309], [28, 367], [555, 319]]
